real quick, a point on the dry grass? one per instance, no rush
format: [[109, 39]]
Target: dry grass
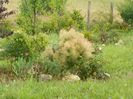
[[96, 5]]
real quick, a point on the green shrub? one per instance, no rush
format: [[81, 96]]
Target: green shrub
[[51, 66], [26, 24], [78, 19], [39, 42], [126, 11], [23, 45], [88, 35], [91, 68], [18, 45], [72, 20], [51, 26], [65, 21]]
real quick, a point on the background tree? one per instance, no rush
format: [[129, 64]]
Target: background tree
[[30, 10], [28, 20]]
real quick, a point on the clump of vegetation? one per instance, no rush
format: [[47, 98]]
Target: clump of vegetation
[[78, 20], [65, 21], [126, 11], [51, 66], [39, 42], [73, 43], [18, 46], [73, 51], [72, 55], [21, 66], [23, 45]]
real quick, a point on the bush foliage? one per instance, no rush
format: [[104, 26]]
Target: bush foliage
[[72, 55], [18, 45], [39, 42], [126, 11], [65, 21], [23, 45]]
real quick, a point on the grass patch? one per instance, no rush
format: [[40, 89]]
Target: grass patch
[[119, 58], [113, 89]]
